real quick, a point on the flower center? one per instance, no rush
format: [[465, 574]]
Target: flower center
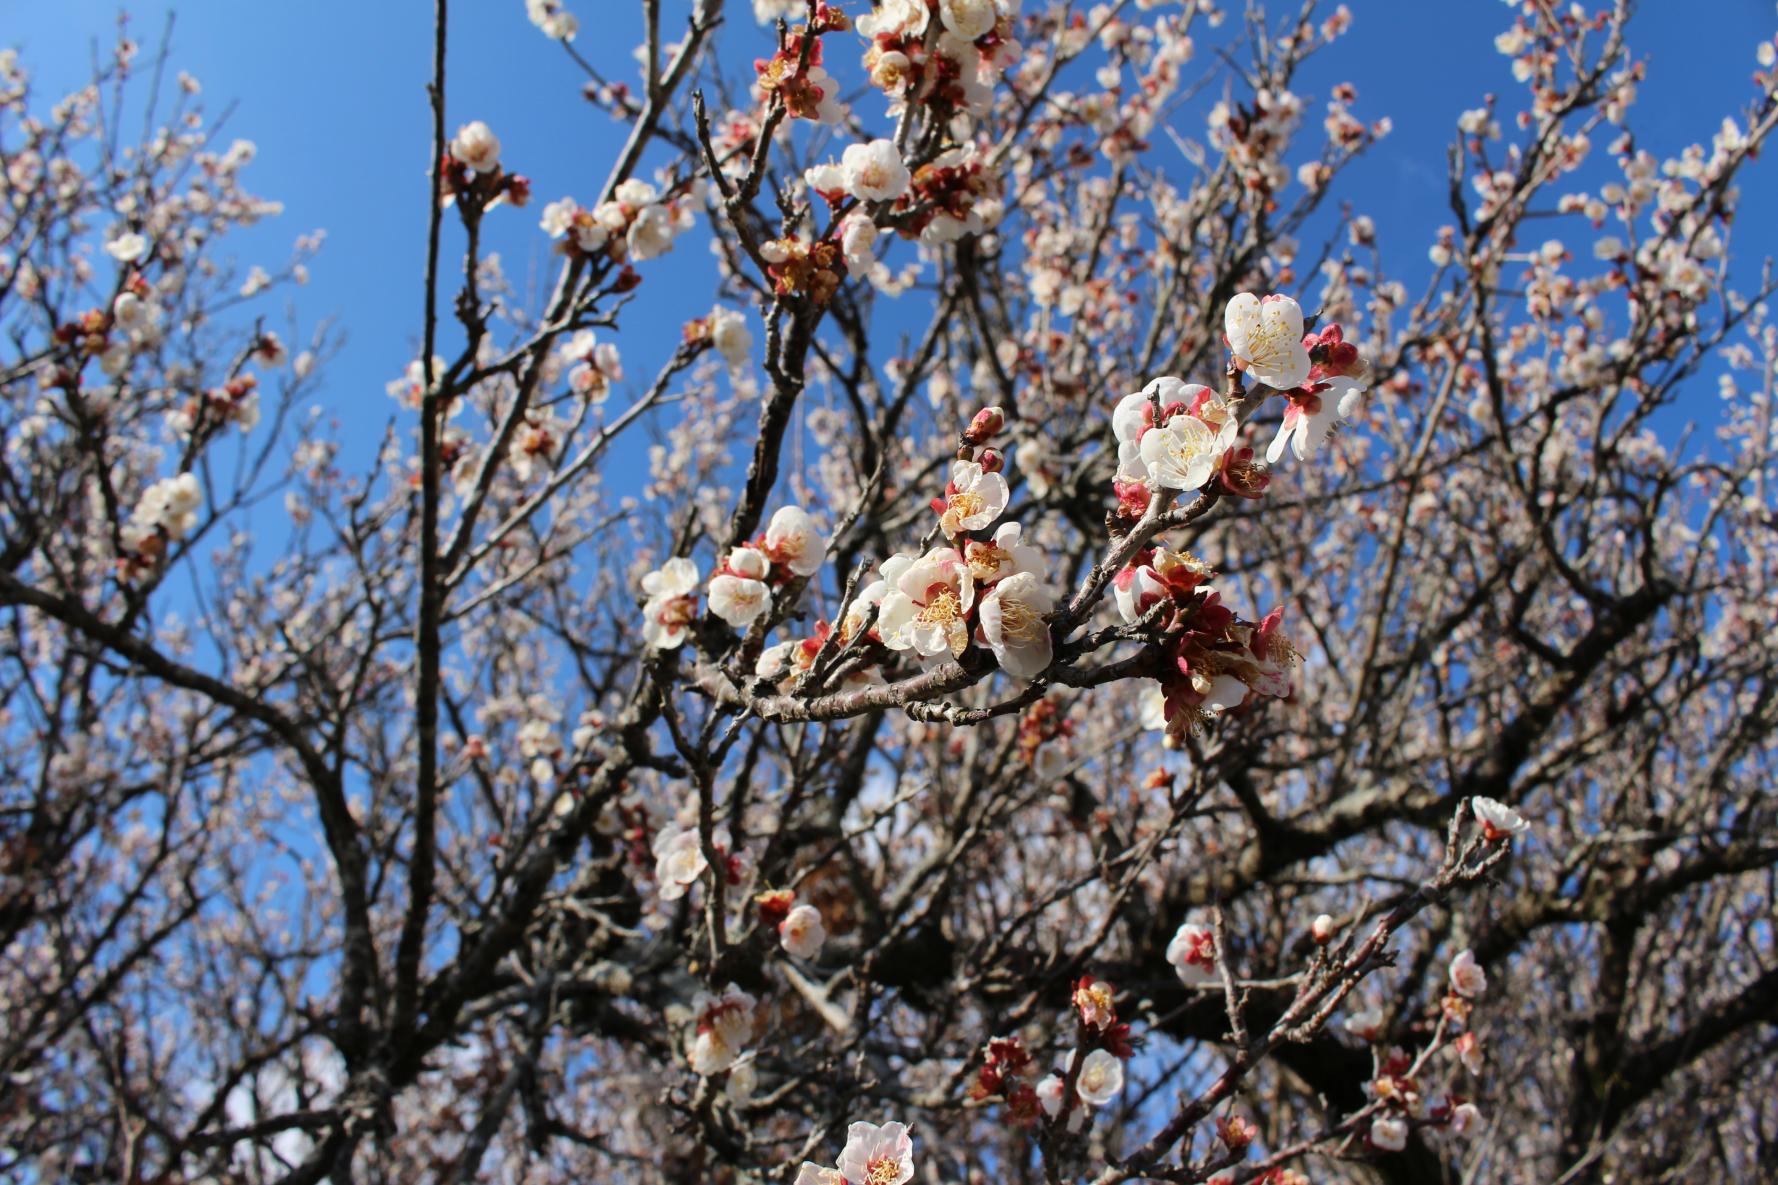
[[966, 504], [882, 1171], [1018, 620], [943, 606]]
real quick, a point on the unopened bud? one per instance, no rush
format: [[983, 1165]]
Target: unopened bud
[[1322, 929], [991, 460], [987, 422]]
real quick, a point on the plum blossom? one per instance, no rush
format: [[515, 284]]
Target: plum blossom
[[811, 1173], [927, 606], [668, 613], [1266, 338], [731, 337], [793, 540], [968, 19], [1389, 1133], [1003, 556], [1498, 820], [874, 172], [973, 499], [738, 591], [877, 1155], [895, 18], [556, 22], [128, 247], [1464, 1116], [724, 1024], [1467, 977], [1184, 453], [1193, 954], [1101, 1078], [858, 238], [477, 146], [1305, 425], [170, 505], [802, 933], [1367, 1023], [678, 860], [1013, 624]]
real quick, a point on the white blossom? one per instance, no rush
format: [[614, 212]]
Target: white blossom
[[1266, 336]]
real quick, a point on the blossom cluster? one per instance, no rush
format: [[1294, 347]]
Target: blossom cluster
[[638, 223]]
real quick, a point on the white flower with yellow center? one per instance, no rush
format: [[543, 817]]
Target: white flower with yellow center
[[1266, 337], [1184, 452], [927, 607], [974, 498], [1101, 1078], [1014, 625], [877, 1155]]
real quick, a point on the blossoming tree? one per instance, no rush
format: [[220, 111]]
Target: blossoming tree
[[1060, 667]]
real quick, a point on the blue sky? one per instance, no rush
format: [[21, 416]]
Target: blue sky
[[333, 94]]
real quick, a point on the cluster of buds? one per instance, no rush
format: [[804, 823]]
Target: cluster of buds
[[1043, 737], [1213, 658], [953, 195], [1404, 1107], [593, 366], [470, 171], [790, 550], [794, 75], [1255, 138], [1007, 1068], [638, 223], [799, 267], [1095, 1002], [534, 445], [235, 402], [722, 1027], [950, 68], [800, 929], [167, 512], [1179, 436]]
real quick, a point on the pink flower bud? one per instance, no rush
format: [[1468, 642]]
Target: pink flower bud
[[986, 423], [1322, 929]]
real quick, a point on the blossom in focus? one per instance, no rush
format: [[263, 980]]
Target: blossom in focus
[[1467, 977], [1266, 338], [738, 592], [1193, 954], [1498, 820], [477, 146], [670, 606], [802, 933], [1003, 556], [793, 540], [973, 499], [927, 606], [1101, 1078], [1184, 453], [874, 172], [877, 1155], [1014, 627]]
